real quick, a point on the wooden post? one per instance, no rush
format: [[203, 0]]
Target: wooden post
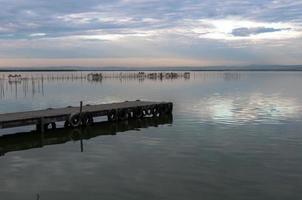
[[80, 115], [42, 125], [81, 107], [82, 146]]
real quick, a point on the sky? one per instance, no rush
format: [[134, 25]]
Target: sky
[[150, 32]]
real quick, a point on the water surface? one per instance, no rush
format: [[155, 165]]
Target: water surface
[[231, 136]]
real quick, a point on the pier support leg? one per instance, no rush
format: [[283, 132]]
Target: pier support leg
[[38, 127], [41, 126]]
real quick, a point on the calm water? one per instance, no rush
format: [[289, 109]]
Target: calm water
[[231, 136]]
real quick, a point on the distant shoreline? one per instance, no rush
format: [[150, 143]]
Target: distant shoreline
[[248, 68], [159, 70]]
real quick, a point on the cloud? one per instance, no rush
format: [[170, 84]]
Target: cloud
[[147, 15], [94, 17], [37, 34], [104, 62], [237, 30], [245, 32], [240, 29], [4, 30]]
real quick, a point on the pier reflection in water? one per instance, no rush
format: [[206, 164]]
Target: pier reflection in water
[[30, 140]]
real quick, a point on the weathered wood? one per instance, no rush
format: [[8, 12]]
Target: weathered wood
[[41, 117]]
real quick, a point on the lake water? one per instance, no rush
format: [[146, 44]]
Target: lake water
[[233, 135]]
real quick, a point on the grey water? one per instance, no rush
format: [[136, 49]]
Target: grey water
[[233, 135]]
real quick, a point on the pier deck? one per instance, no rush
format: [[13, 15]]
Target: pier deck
[[72, 115]]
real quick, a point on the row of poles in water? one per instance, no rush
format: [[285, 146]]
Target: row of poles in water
[[33, 83]]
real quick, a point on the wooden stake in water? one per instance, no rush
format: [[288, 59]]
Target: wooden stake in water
[[81, 107]]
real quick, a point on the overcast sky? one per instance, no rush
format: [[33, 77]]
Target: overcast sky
[[150, 32]]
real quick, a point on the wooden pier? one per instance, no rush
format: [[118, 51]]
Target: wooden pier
[[84, 115], [33, 139]]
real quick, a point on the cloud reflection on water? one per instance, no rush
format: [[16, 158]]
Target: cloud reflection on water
[[255, 108]]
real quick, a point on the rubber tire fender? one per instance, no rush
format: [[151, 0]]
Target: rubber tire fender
[[112, 115], [123, 115], [74, 120]]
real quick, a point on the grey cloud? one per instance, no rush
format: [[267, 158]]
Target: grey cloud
[[25, 17], [21, 20], [244, 32]]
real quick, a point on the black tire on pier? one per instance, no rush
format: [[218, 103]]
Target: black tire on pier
[[75, 120], [138, 113], [145, 113], [131, 114], [149, 110], [112, 115], [155, 111], [66, 124], [87, 119], [123, 115]]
